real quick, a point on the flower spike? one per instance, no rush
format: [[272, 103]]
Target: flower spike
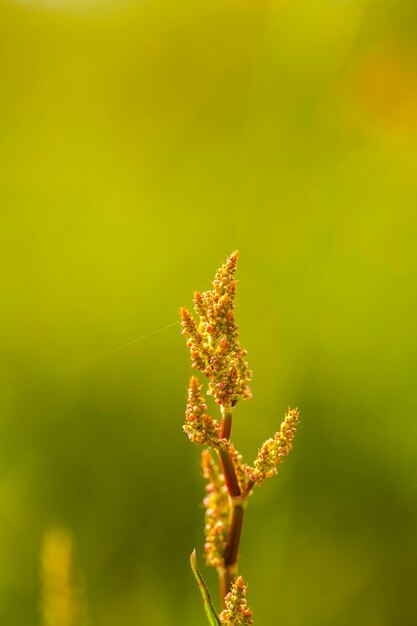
[[199, 426], [237, 612], [274, 450], [213, 341], [216, 504]]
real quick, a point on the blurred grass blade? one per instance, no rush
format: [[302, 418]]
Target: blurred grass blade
[[208, 606]]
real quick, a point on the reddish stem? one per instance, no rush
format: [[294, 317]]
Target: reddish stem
[[226, 425], [229, 474], [229, 572], [232, 551]]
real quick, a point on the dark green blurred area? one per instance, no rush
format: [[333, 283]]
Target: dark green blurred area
[[141, 143]]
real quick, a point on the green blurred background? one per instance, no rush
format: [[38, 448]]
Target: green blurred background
[[141, 142]]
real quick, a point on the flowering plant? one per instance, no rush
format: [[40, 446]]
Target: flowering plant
[[216, 352]]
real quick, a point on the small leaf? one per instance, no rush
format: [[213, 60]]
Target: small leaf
[[208, 606]]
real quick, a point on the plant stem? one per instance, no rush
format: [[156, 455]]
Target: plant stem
[[229, 474], [226, 425], [228, 573], [233, 543], [223, 584]]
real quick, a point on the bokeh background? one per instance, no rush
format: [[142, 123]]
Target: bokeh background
[[141, 142]]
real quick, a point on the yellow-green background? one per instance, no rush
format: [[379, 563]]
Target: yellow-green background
[[141, 142]]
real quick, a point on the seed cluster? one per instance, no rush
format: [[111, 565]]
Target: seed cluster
[[213, 341], [236, 612], [216, 504], [274, 450], [200, 427]]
